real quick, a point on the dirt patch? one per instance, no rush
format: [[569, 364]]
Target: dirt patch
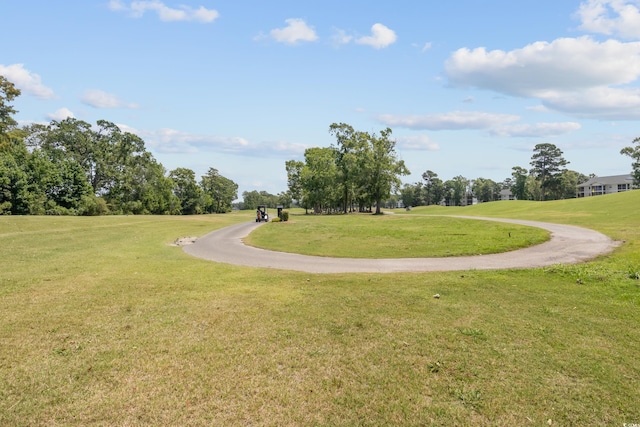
[[184, 241]]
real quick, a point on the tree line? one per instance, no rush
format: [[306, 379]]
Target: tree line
[[547, 179], [70, 167]]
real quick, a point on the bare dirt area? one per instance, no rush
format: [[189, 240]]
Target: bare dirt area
[[184, 241]]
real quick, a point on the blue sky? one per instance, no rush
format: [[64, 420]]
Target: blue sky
[[468, 87]]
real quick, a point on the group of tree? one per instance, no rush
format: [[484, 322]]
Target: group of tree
[[252, 199], [359, 171], [547, 179], [70, 167], [454, 192]]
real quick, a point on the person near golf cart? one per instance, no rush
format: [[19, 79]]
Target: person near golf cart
[[261, 214]]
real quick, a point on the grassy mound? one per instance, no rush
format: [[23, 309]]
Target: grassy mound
[[393, 236]]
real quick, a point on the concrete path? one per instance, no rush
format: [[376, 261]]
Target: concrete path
[[568, 245]]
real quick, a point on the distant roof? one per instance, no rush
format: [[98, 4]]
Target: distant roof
[[608, 180]]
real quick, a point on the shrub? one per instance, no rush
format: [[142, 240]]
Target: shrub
[[93, 206], [284, 216], [276, 219]]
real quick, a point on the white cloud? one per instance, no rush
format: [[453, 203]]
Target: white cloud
[[558, 73], [611, 17], [341, 37], [116, 5], [166, 14], [168, 140], [539, 130], [60, 114], [171, 141], [426, 46], [99, 99], [538, 108], [295, 31], [599, 103], [417, 143], [542, 67], [456, 120], [25, 80], [381, 36]]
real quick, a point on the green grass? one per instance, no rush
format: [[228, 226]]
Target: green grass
[[103, 323], [392, 236]]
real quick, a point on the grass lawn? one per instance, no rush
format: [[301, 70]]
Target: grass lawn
[[392, 236], [102, 322]]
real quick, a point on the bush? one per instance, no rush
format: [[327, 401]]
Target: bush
[[276, 219], [93, 206], [284, 216]]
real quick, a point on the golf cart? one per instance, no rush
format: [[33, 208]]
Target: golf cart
[[261, 214]]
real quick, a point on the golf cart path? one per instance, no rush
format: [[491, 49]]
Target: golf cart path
[[568, 245]]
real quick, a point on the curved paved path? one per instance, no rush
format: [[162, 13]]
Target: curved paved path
[[568, 245]]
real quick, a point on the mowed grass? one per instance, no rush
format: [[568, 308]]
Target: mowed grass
[[392, 236], [103, 323]]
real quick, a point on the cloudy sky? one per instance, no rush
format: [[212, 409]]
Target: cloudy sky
[[468, 87]]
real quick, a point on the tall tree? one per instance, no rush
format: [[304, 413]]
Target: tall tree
[[319, 177], [519, 183], [74, 139], [433, 188], [634, 153], [187, 191], [548, 164], [14, 184], [8, 92], [221, 191], [568, 183], [412, 194], [284, 199], [294, 182], [486, 190], [384, 167], [350, 153], [456, 190]]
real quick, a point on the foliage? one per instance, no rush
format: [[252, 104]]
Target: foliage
[[8, 92], [360, 170], [547, 166], [253, 199], [486, 190], [433, 188], [186, 189], [294, 183], [568, 183], [351, 148], [284, 216], [455, 190], [412, 194], [319, 177], [70, 167], [384, 167], [634, 153], [519, 183], [219, 192]]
